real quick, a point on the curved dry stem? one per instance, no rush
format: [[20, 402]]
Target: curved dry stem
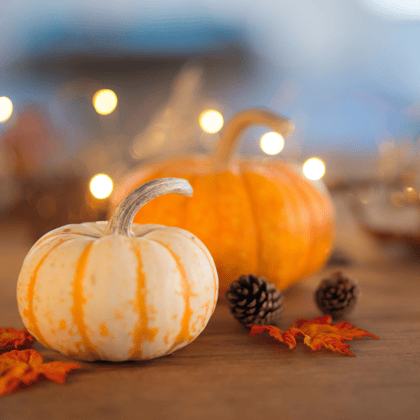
[[226, 145], [122, 218]]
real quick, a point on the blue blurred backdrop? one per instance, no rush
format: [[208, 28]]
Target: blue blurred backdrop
[[346, 71]]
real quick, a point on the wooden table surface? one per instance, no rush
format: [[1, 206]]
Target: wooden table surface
[[224, 374]]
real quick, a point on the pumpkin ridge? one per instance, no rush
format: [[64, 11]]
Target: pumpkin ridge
[[184, 335], [93, 225], [79, 300], [297, 199], [254, 217], [316, 205], [302, 263], [84, 234], [308, 203], [213, 270], [141, 330], [30, 295], [61, 233]]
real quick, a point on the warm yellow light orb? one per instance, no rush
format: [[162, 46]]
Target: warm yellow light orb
[[211, 121], [272, 143], [314, 168], [104, 101], [101, 186], [6, 108]]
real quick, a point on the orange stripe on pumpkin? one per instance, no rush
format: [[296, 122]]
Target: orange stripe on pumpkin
[[29, 313], [213, 270], [184, 335], [142, 332], [104, 330], [79, 300]]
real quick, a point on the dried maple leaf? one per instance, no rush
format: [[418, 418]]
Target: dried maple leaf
[[26, 366], [11, 338], [317, 333], [272, 330]]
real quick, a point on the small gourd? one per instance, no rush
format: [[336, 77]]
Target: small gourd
[[119, 291]]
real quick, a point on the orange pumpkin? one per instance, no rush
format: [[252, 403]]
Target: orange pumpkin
[[255, 216]]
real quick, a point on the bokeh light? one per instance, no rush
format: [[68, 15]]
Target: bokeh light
[[6, 108], [105, 101], [101, 186], [272, 143], [211, 121], [314, 168]]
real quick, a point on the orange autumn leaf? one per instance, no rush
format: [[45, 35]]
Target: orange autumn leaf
[[23, 367], [272, 330], [317, 333], [320, 332], [11, 338]]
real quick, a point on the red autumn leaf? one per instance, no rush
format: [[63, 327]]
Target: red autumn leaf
[[11, 338], [23, 367], [317, 333]]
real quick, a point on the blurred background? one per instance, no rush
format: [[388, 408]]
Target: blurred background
[[100, 87]]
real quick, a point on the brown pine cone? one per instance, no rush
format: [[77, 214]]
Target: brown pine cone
[[254, 300], [337, 296]]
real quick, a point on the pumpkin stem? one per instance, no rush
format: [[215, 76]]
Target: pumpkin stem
[[122, 218], [225, 147]]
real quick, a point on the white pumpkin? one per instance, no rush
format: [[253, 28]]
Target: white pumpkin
[[119, 291]]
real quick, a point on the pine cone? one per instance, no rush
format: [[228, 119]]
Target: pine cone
[[337, 296], [254, 300]]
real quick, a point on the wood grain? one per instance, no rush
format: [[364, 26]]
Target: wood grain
[[226, 375]]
